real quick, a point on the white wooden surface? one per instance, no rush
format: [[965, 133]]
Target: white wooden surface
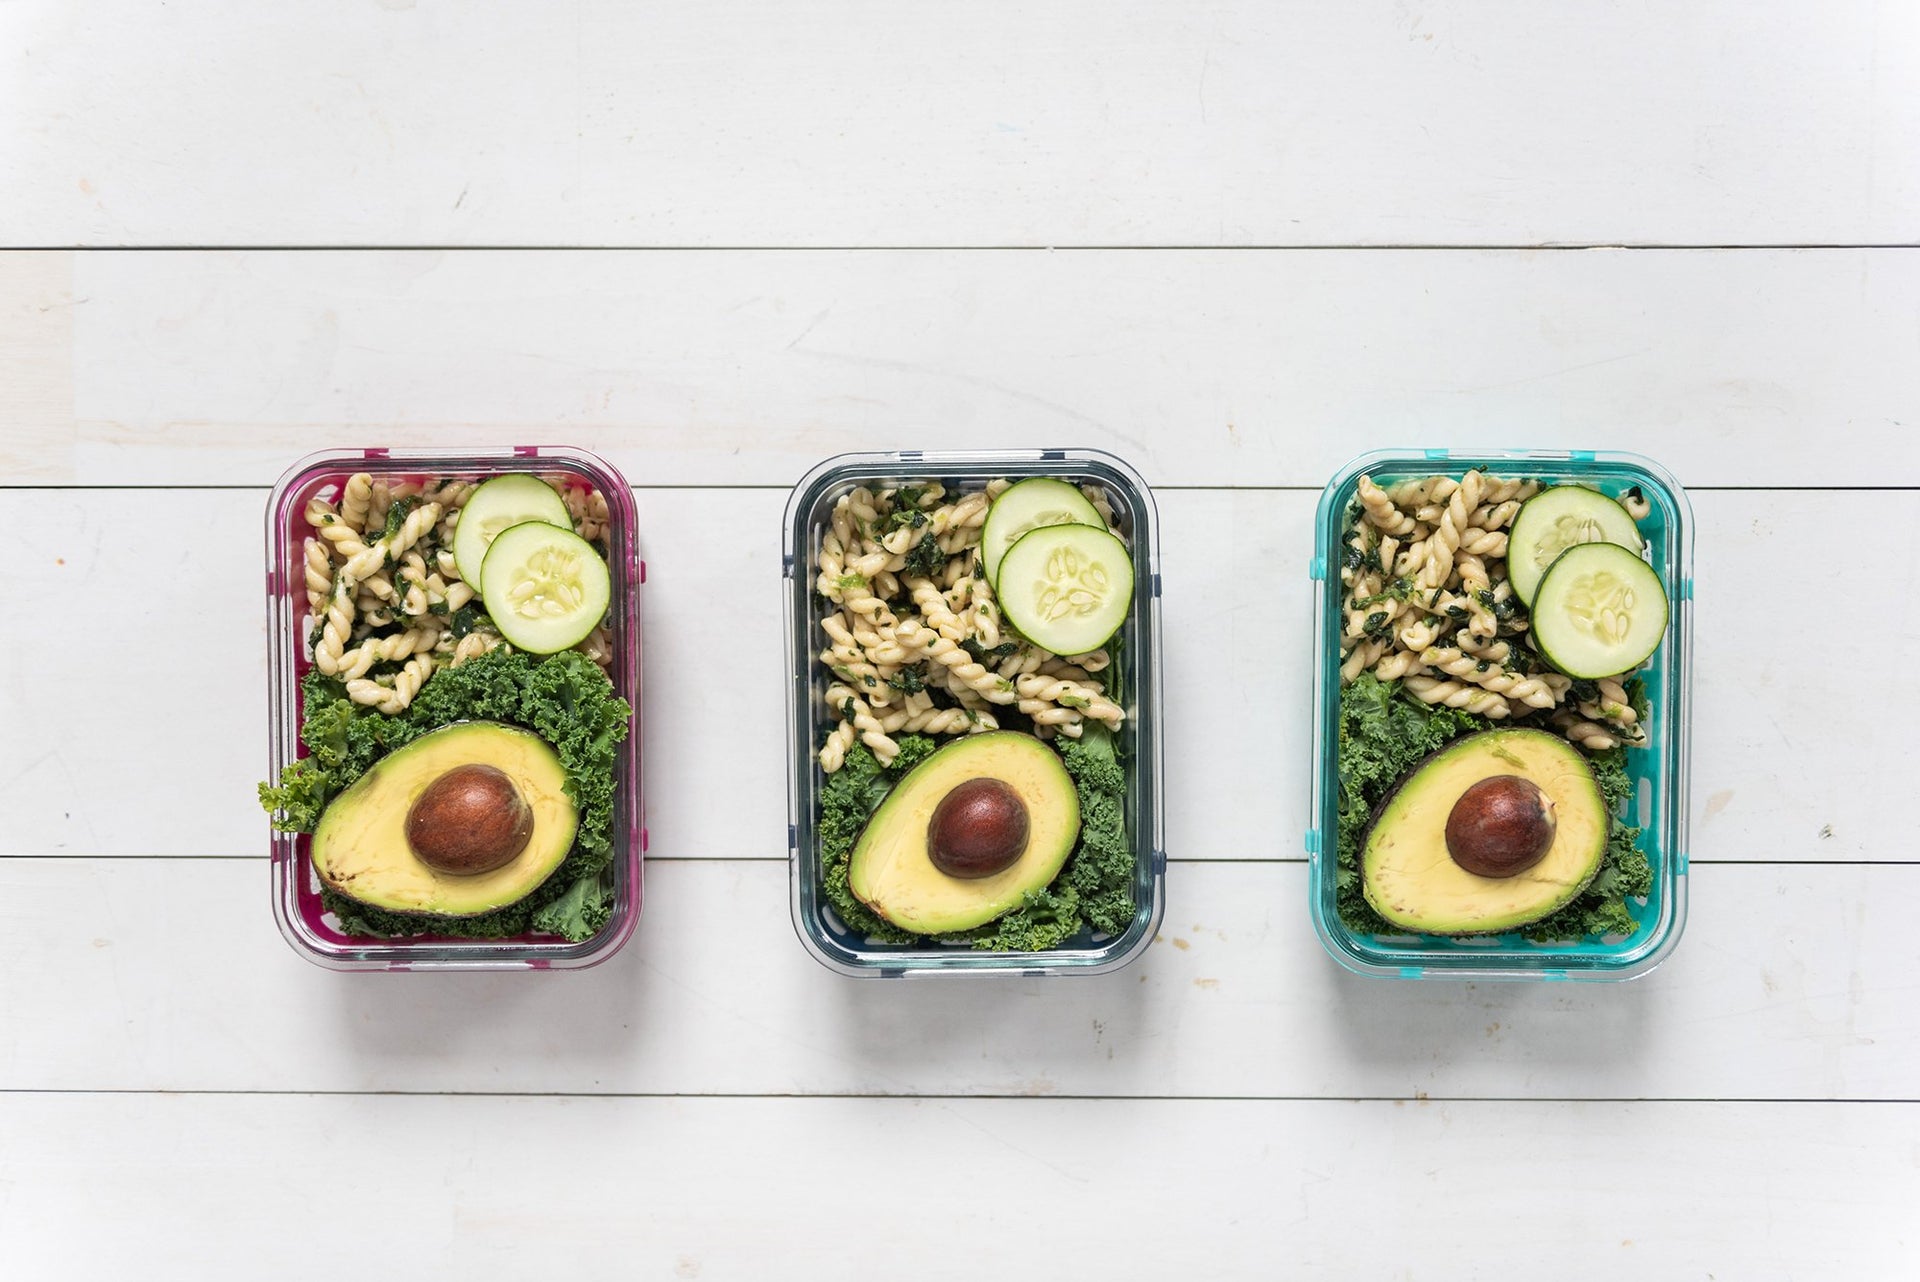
[[851, 122], [182, 1097]]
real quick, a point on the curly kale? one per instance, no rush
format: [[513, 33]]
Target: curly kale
[[1384, 733], [1095, 888], [564, 698], [852, 793], [1102, 866]]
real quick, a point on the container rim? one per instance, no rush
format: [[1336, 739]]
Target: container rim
[[286, 665], [1633, 957], [1148, 836]]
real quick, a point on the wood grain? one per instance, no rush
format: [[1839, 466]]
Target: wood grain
[[1231, 122], [1249, 369], [737, 1189], [167, 974]]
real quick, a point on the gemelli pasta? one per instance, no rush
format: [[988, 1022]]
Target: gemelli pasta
[[1427, 601], [914, 641], [385, 598]]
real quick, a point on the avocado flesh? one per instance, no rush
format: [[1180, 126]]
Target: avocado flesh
[[1413, 882], [892, 872], [360, 845]]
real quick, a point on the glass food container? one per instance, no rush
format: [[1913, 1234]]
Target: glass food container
[[1658, 801], [297, 906], [1134, 680]]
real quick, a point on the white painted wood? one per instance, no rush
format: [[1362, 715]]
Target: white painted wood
[[1790, 762], [211, 1189], [132, 723], [1247, 369], [686, 122], [1791, 983]]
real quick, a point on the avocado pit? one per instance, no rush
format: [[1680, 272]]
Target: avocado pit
[[470, 820], [1500, 827], [979, 828]]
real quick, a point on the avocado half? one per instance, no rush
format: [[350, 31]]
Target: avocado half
[[360, 846], [892, 871], [1413, 882]]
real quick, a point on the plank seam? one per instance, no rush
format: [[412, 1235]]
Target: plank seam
[[1545, 247], [1050, 1097]]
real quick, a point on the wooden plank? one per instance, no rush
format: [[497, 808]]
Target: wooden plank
[[1092, 122], [36, 366], [152, 974], [103, 735], [207, 1188], [1782, 368]]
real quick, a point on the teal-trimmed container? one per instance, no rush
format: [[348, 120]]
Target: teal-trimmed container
[[1658, 804]]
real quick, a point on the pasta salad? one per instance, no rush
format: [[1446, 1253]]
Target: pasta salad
[[969, 667], [1491, 630]]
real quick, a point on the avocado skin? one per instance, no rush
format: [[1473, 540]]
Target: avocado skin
[[892, 872], [360, 849], [1409, 878]]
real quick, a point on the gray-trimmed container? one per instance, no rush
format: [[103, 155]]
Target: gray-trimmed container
[[1659, 770], [1137, 678], [296, 892]]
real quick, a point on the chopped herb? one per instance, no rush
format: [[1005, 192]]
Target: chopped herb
[[926, 558], [985, 657]]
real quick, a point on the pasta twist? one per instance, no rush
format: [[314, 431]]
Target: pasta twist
[[342, 540], [393, 699], [1516, 688], [1401, 663], [1381, 510], [1457, 694], [1038, 691], [1424, 492], [1361, 657], [1446, 537], [473, 645], [1589, 735], [397, 645], [851, 707], [989, 686], [386, 549], [356, 499], [319, 574], [337, 627], [1472, 573]]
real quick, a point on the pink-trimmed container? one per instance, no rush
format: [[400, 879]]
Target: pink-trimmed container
[[296, 890]]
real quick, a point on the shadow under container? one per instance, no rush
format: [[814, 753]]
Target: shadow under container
[[303, 919], [1657, 803], [1134, 679]]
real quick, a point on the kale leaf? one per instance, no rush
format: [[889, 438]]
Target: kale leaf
[[564, 698]]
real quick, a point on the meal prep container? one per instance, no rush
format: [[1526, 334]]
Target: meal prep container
[[1136, 674], [1658, 803], [296, 888]]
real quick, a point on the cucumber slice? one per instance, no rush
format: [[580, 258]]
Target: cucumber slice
[[500, 504], [1554, 520], [1025, 507], [546, 588], [1600, 611], [1066, 587]]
